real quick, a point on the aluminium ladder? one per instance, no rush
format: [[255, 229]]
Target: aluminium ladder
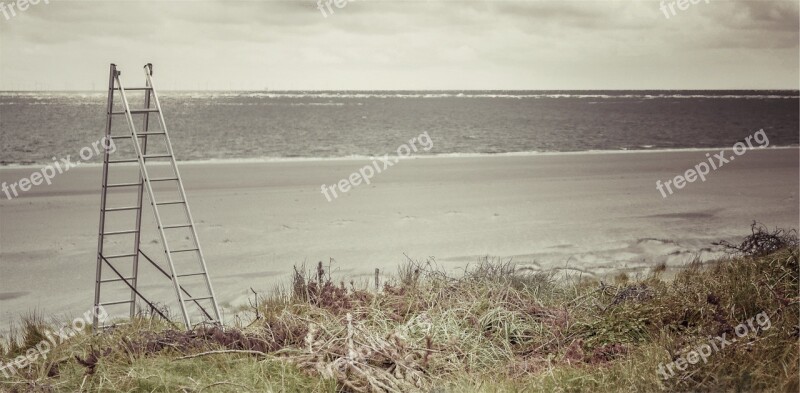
[[152, 105]]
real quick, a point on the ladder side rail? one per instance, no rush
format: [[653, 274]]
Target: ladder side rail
[[148, 75], [100, 237], [139, 201], [143, 171]]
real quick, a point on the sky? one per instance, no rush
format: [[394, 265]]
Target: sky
[[402, 45]]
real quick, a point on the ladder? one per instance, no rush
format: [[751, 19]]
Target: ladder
[[205, 302]]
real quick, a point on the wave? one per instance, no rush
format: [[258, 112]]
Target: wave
[[355, 157]]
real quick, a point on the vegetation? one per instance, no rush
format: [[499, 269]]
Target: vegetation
[[493, 328]]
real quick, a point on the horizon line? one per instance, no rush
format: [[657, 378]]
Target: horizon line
[[393, 90]]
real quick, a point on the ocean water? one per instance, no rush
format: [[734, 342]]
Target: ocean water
[[36, 126]]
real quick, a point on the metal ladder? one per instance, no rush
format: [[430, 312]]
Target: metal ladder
[[152, 105]]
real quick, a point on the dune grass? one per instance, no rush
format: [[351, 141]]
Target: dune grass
[[494, 328]]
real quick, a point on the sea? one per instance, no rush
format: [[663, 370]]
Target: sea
[[37, 126]]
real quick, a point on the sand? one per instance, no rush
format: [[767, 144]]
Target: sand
[[596, 213]]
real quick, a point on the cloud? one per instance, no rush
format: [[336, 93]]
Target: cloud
[[404, 45]]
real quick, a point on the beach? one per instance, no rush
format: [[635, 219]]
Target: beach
[[592, 213]]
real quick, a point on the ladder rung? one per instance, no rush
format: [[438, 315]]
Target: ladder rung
[[191, 299], [116, 279], [176, 226], [113, 303], [119, 232], [139, 134], [137, 160], [116, 209], [134, 88], [185, 250], [118, 256], [122, 185], [169, 203], [136, 111], [191, 274], [164, 179]]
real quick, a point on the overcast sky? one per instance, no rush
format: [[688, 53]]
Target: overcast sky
[[371, 45]]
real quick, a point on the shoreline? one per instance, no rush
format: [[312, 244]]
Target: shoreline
[[258, 160]]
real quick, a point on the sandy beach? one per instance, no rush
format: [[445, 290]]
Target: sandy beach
[[598, 213]]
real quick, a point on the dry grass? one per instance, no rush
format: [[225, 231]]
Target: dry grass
[[492, 328]]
